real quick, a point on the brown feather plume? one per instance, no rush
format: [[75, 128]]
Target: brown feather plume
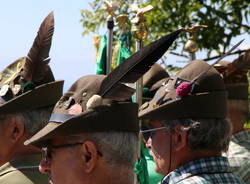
[[36, 64], [136, 65], [239, 65]]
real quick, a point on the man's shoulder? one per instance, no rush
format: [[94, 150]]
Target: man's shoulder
[[195, 180], [214, 170], [243, 171], [22, 170], [24, 176], [212, 179], [240, 143], [15, 177]]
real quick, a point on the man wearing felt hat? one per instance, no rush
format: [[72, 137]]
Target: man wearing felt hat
[[28, 92], [236, 81], [152, 81], [188, 127], [92, 135]]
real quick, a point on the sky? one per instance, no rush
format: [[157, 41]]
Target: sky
[[72, 55]]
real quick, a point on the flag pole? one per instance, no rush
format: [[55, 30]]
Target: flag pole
[[110, 8], [140, 33]]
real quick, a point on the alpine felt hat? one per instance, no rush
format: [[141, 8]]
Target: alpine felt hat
[[197, 91], [152, 81], [28, 83], [155, 74], [235, 76], [98, 103]]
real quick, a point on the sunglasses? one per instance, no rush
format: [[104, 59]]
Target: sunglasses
[[149, 132], [47, 151]]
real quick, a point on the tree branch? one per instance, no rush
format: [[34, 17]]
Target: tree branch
[[218, 56], [181, 55]]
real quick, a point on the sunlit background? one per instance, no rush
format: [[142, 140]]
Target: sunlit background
[[72, 55]]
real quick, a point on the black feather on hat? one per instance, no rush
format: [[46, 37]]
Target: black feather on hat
[[28, 83], [95, 103]]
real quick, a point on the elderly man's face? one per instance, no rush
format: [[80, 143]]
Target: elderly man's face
[[159, 142], [65, 164]]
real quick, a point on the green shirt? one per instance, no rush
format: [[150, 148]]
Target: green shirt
[[23, 170]]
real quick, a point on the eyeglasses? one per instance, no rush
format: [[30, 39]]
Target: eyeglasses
[[147, 133], [47, 151]]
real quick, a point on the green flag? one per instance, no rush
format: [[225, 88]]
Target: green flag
[[101, 59], [140, 168], [122, 49], [125, 46]]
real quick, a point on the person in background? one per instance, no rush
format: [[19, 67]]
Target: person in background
[[28, 92], [236, 81]]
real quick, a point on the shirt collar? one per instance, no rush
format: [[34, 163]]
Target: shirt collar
[[205, 165], [240, 136], [21, 163]]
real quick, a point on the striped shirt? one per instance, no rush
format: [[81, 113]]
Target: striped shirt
[[211, 170]]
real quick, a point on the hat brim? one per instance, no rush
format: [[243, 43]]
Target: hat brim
[[41, 96], [203, 105], [116, 117]]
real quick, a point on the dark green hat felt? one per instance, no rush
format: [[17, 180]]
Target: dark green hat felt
[[235, 76], [197, 91], [96, 103], [28, 83]]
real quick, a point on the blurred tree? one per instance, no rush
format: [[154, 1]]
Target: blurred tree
[[225, 19]]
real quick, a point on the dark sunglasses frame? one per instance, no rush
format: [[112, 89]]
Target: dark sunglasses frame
[[149, 133], [46, 151]]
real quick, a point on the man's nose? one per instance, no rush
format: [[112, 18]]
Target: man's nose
[[44, 166], [148, 143]]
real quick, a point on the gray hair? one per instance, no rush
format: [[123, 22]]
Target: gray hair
[[204, 134], [34, 120], [118, 148]]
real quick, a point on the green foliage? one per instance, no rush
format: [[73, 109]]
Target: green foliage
[[225, 19], [247, 125]]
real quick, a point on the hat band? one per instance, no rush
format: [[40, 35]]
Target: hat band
[[203, 105], [237, 92], [60, 118]]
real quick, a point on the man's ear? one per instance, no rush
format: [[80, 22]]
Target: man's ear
[[16, 129], [180, 138], [89, 155]]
